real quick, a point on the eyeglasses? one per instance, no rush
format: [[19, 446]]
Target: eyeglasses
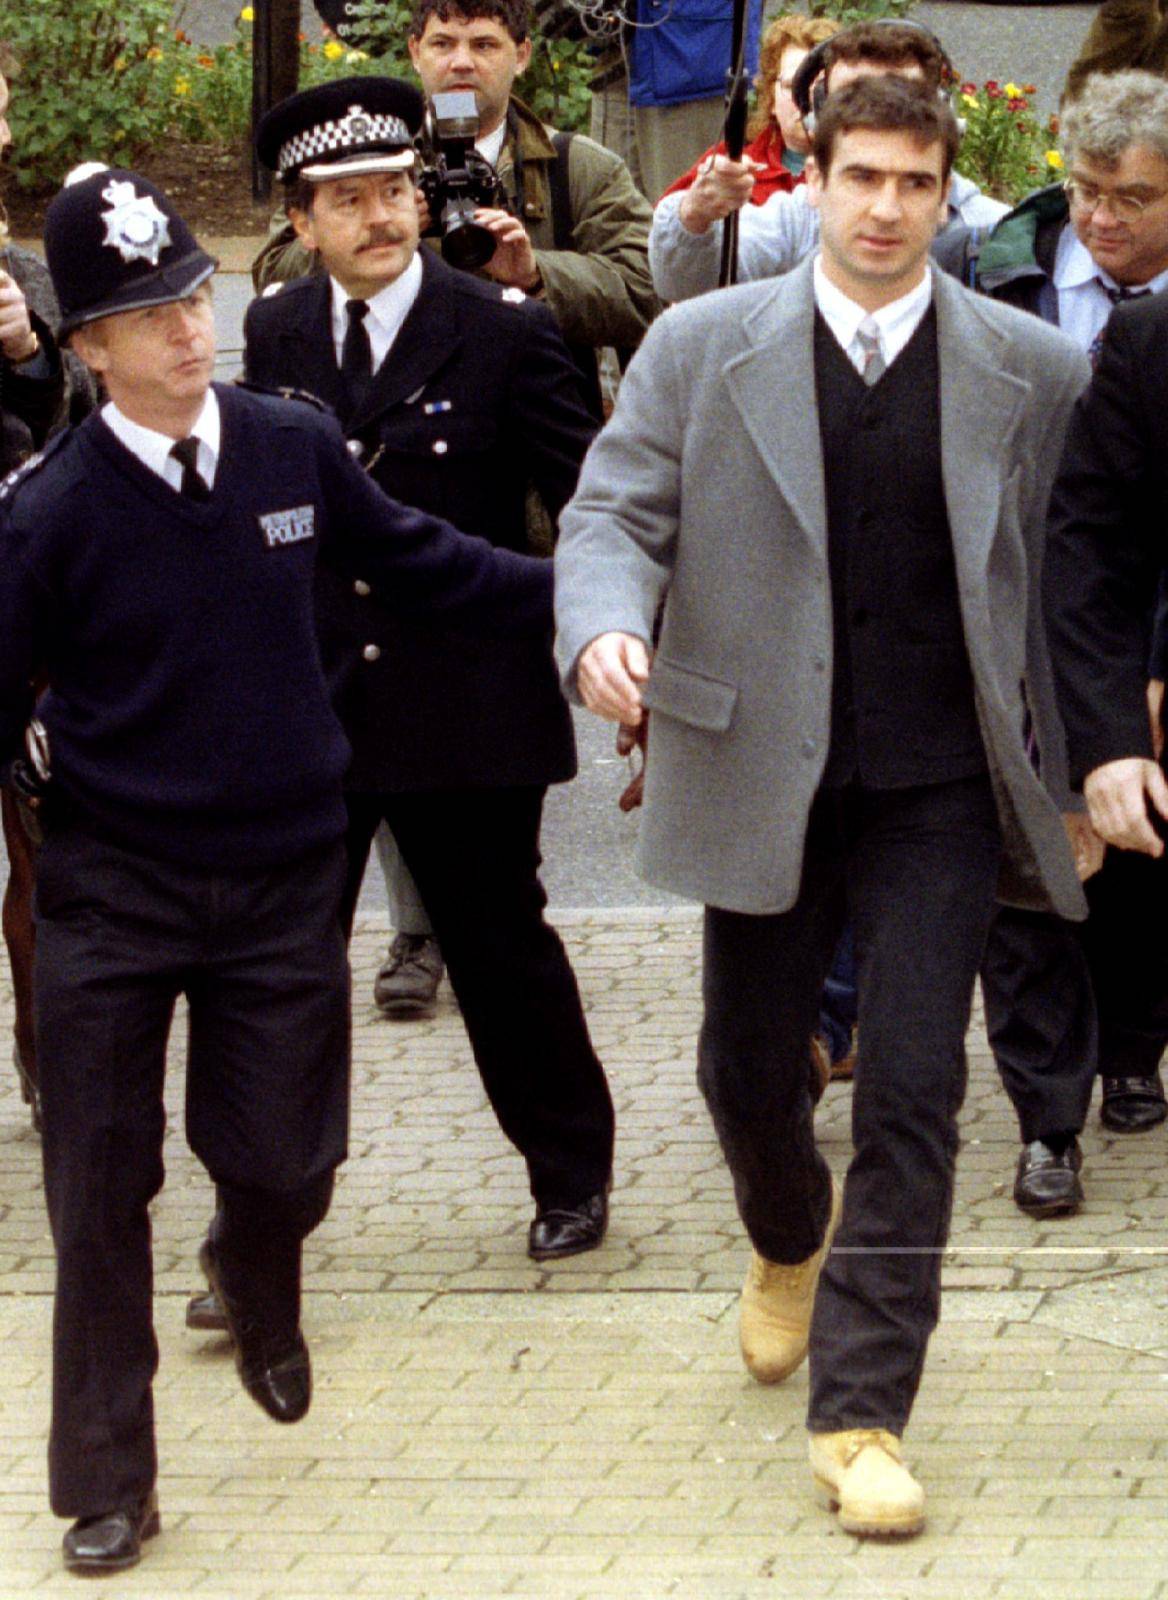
[[1089, 197]]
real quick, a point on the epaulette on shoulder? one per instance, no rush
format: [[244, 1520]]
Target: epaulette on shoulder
[[282, 392], [513, 296], [29, 468]]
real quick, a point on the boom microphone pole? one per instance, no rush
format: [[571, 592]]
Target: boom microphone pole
[[734, 134]]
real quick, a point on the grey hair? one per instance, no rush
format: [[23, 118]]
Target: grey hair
[[1115, 110]]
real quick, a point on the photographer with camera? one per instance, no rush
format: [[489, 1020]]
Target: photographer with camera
[[573, 230]]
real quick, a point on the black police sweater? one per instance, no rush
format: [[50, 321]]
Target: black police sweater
[[188, 716]]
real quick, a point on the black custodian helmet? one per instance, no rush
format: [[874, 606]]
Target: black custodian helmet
[[114, 242]]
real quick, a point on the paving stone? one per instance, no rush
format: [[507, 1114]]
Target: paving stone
[[584, 1431]]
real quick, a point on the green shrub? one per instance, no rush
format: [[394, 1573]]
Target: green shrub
[[848, 11], [1005, 150], [89, 83]]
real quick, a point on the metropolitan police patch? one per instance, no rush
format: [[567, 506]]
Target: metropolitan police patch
[[288, 527]]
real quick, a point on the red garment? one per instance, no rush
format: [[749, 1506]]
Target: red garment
[[768, 149]]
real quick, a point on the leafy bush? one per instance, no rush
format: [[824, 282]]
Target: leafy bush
[[849, 11], [1005, 151], [89, 83]]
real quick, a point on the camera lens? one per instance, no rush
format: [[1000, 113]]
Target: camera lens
[[467, 245]]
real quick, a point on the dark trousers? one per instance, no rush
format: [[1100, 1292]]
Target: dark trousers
[[1040, 1018], [474, 855], [19, 935], [261, 960], [1127, 953], [915, 870]]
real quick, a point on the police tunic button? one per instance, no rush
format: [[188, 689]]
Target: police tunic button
[[371, 652], [361, 587], [440, 447], [514, 297], [356, 448]]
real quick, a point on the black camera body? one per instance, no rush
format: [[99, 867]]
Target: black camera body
[[456, 180]]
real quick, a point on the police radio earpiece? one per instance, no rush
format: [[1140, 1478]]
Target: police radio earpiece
[[809, 85]]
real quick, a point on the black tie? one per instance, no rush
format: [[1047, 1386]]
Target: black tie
[[194, 485], [1117, 296], [356, 352]]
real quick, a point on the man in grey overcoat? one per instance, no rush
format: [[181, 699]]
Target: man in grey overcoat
[[837, 483]]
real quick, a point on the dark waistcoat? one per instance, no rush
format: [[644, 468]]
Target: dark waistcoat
[[902, 691]]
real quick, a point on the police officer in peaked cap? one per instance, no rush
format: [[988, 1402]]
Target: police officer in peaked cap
[[458, 393], [158, 563]]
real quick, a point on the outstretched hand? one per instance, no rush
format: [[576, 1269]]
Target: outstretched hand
[[720, 187]]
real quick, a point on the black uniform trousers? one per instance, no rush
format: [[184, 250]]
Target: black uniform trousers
[[260, 957], [474, 855], [915, 871], [1041, 1018]]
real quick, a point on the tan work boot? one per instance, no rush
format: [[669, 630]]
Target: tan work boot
[[774, 1314], [861, 1474]]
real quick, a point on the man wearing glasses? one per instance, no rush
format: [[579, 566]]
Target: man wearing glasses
[[1070, 253]]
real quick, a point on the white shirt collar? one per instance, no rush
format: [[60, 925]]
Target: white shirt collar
[[896, 322], [491, 148], [388, 309], [153, 449], [1073, 263]]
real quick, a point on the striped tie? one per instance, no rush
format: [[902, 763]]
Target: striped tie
[[868, 339]]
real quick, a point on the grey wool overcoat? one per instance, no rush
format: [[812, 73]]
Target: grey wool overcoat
[[706, 488]]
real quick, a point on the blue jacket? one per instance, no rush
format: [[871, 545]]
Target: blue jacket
[[680, 50]]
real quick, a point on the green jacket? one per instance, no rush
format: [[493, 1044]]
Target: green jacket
[[1016, 263], [599, 291]]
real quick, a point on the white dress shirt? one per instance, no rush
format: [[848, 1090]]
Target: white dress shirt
[[153, 449], [388, 309], [895, 323]]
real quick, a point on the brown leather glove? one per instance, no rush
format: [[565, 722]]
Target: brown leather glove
[[628, 741]]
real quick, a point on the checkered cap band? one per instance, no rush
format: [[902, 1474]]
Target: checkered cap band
[[357, 130]]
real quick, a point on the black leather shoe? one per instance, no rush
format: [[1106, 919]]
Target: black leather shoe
[[275, 1370], [1132, 1104], [407, 980], [113, 1541], [205, 1314], [1048, 1185], [568, 1230]]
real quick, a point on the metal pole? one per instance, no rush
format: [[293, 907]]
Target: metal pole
[[261, 91], [734, 134]]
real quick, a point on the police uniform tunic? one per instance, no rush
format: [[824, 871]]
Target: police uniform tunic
[[456, 735]]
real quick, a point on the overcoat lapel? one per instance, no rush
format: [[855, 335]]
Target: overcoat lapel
[[981, 406], [772, 386]]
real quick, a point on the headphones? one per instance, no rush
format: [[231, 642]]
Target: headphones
[[809, 86]]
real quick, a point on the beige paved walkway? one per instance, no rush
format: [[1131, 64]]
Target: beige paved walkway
[[485, 1428]]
